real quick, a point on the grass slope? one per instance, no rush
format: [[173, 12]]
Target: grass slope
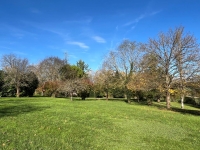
[[56, 123]]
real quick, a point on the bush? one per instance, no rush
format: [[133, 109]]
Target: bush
[[197, 100], [192, 100], [118, 93]]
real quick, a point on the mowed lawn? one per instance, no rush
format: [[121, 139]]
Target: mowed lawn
[[57, 123]]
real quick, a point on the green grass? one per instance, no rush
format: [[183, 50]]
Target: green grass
[[57, 123]]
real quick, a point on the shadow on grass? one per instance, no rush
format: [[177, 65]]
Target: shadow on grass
[[13, 101], [187, 111], [192, 105], [162, 106], [176, 109], [12, 107], [19, 109], [96, 99]]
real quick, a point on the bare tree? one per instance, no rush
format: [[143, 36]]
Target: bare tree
[[15, 69], [74, 87], [48, 71], [173, 51], [187, 60], [125, 61]]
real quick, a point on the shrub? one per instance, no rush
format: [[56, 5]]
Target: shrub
[[192, 100]]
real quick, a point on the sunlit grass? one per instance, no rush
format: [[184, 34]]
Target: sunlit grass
[[58, 123]]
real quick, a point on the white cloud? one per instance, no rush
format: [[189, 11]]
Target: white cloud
[[99, 39], [80, 44]]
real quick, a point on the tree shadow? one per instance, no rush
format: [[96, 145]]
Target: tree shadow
[[162, 106], [13, 101], [176, 109], [99, 99], [16, 107], [193, 105], [186, 111]]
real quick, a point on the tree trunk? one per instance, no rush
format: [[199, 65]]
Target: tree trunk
[[127, 95], [53, 94], [168, 100], [129, 98], [107, 95], [168, 81], [18, 91], [71, 96], [182, 101]]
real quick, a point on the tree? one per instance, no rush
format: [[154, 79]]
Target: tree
[[74, 81], [168, 49], [75, 87], [48, 70], [50, 88], [83, 66], [150, 76], [70, 72], [103, 81], [125, 61], [187, 60], [1, 81], [86, 86], [32, 82], [15, 69]]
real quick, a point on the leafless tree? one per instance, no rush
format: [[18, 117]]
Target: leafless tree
[[177, 54], [74, 87], [48, 70], [187, 60], [125, 61], [15, 69]]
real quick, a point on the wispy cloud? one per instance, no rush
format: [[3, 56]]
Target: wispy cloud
[[45, 27], [18, 35], [84, 20], [16, 32], [135, 21], [19, 53], [73, 56], [154, 13], [117, 28], [35, 11], [80, 44], [138, 19], [4, 47], [99, 39]]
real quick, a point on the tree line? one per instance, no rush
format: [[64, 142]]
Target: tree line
[[166, 67]]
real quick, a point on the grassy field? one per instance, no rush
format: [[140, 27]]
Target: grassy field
[[57, 123]]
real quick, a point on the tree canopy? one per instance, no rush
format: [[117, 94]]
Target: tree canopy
[[165, 66]]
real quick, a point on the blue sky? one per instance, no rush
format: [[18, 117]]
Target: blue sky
[[88, 29]]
